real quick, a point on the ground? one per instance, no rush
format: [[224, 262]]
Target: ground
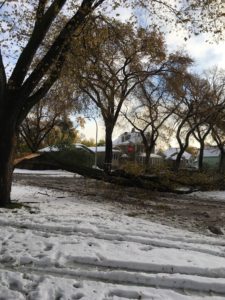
[[195, 211], [82, 239]]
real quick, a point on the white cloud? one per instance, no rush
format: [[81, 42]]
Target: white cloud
[[205, 54]]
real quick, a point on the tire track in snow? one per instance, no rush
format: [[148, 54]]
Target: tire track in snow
[[68, 230], [124, 236], [177, 282], [103, 263]]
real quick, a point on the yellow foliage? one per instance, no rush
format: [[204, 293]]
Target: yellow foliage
[[133, 168]]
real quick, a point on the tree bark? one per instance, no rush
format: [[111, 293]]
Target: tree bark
[[108, 148], [200, 157], [7, 148], [148, 151], [147, 159], [222, 161], [178, 160]]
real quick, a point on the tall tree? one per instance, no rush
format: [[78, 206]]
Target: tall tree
[[192, 111], [216, 79], [110, 66], [26, 86], [204, 116], [149, 113]]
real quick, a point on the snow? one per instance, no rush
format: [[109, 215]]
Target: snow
[[49, 149], [209, 195], [171, 153], [211, 152], [47, 173], [127, 138], [66, 246], [101, 149], [152, 155], [56, 149]]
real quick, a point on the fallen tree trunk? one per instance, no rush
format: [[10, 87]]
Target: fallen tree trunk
[[119, 177], [153, 183]]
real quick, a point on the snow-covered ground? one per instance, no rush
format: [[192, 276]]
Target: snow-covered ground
[[210, 195], [67, 247], [47, 173]]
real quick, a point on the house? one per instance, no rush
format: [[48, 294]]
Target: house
[[132, 149], [211, 157], [129, 143], [101, 156], [156, 160], [171, 156]]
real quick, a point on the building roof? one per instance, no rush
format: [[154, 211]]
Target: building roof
[[49, 149], [56, 149], [101, 149], [152, 155], [127, 138], [211, 152], [171, 153]]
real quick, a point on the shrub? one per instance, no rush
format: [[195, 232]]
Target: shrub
[[133, 168]]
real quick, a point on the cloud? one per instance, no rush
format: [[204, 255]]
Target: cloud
[[121, 13]]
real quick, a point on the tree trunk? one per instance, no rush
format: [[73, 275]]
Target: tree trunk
[[200, 157], [222, 161], [178, 160], [108, 148], [147, 159], [7, 148], [148, 152]]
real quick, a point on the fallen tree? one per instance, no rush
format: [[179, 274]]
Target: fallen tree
[[119, 177]]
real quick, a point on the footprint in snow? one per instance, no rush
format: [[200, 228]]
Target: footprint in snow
[[146, 248], [125, 294], [77, 296], [48, 247], [77, 285], [91, 244]]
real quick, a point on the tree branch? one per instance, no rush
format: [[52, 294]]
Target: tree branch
[[2, 4], [40, 10], [59, 48], [40, 30], [2, 78]]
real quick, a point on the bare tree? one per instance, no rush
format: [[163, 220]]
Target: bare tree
[[216, 78], [193, 111], [150, 113], [203, 117]]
